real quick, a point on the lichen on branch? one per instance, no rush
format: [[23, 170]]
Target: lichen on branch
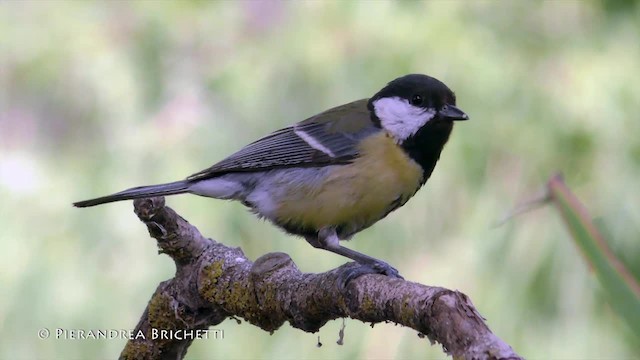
[[214, 282]]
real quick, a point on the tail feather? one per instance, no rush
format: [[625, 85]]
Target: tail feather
[[177, 187]]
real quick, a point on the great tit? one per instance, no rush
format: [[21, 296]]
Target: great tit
[[336, 173]]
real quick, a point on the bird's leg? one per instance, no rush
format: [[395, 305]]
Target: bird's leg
[[327, 239]]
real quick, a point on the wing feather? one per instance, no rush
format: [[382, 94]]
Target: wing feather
[[287, 148]]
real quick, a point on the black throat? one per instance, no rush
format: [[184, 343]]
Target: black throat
[[427, 144]]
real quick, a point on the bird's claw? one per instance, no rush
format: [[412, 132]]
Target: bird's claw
[[378, 267]]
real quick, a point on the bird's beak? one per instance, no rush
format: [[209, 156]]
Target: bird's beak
[[450, 112]]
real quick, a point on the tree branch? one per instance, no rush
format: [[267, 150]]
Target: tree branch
[[214, 282]]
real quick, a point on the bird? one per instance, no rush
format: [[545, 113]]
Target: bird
[[336, 173]]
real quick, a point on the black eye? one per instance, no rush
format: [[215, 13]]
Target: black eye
[[417, 100]]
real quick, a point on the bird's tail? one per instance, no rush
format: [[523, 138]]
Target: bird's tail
[[177, 187]]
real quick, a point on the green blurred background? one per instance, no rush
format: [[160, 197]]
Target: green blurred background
[[101, 96]]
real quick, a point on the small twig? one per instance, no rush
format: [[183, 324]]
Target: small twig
[[341, 333], [536, 201]]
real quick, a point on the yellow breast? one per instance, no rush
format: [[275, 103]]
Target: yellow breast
[[358, 194]]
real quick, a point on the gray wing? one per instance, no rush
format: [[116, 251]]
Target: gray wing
[[312, 142]]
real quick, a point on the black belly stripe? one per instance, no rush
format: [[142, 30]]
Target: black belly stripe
[[427, 144]]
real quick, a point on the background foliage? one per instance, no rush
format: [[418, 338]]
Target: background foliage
[[101, 96]]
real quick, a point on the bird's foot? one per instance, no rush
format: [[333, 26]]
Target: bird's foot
[[377, 267]]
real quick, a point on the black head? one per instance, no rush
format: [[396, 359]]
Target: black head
[[418, 112], [409, 103]]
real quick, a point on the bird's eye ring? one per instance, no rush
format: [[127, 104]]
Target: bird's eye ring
[[416, 100]]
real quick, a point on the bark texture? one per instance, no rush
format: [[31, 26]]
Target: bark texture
[[214, 282]]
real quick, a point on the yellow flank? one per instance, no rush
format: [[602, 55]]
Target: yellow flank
[[356, 194]]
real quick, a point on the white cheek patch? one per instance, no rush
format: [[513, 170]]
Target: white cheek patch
[[400, 118]]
